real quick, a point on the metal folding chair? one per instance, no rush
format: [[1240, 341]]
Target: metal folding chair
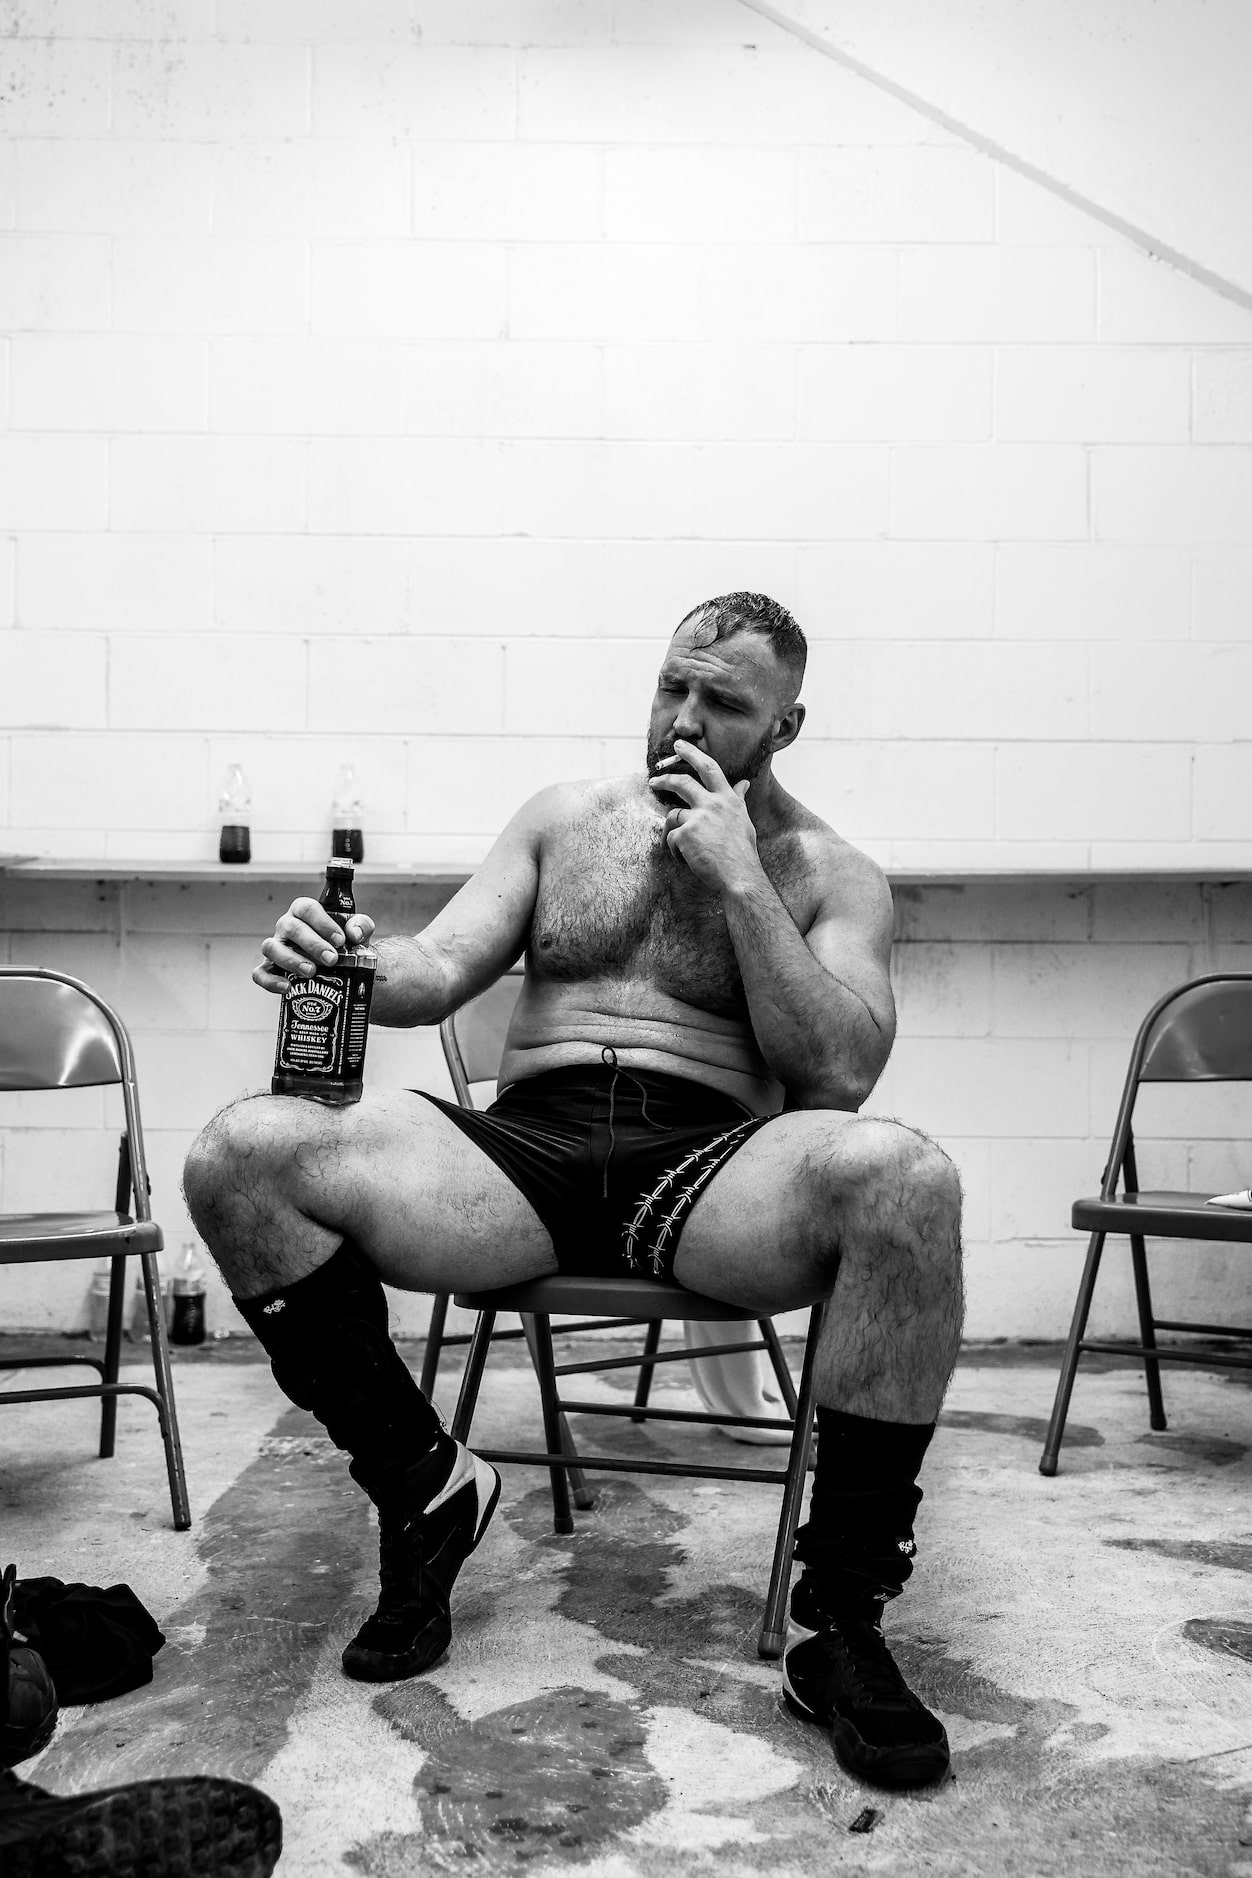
[[1199, 1032], [473, 1040], [56, 1033]]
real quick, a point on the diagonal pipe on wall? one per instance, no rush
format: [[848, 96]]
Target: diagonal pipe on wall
[[1142, 238]]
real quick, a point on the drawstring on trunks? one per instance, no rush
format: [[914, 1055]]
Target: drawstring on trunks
[[608, 1056]]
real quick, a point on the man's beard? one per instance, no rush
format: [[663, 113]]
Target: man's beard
[[748, 771]]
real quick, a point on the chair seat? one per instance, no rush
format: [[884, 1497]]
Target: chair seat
[[618, 1297], [26, 1237], [1163, 1215]]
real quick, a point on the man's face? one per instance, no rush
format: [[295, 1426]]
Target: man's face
[[722, 695]]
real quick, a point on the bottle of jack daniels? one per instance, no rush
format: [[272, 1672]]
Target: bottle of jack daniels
[[323, 1024]]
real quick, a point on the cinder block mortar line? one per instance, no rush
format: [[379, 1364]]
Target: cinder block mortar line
[[8, 600], [1141, 238]]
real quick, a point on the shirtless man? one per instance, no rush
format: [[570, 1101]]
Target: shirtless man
[[706, 982]]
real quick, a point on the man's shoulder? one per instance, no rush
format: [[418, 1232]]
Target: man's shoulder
[[561, 805], [836, 868]]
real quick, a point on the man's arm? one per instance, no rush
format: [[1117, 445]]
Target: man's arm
[[477, 936], [820, 1003], [424, 977]]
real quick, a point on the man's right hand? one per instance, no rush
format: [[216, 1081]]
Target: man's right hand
[[306, 940]]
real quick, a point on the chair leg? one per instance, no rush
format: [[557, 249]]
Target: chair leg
[[112, 1355], [1147, 1333], [773, 1637], [471, 1380], [539, 1336], [584, 1498], [644, 1387], [783, 1375], [1069, 1362], [165, 1391], [434, 1343]]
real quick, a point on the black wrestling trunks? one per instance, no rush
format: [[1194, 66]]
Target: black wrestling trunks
[[611, 1159]]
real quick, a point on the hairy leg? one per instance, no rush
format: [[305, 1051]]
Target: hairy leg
[[307, 1210], [865, 1211], [275, 1185]]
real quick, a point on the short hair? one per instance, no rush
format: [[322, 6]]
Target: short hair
[[732, 613]]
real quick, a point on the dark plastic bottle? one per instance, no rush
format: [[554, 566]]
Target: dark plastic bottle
[[347, 839], [235, 841], [323, 1025], [187, 1319]]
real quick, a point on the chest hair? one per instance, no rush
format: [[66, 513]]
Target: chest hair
[[614, 902]]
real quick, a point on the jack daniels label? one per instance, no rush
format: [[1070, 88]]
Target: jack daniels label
[[323, 1028]]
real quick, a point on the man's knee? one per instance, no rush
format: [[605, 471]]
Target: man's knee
[[231, 1152], [883, 1152], [885, 1170]]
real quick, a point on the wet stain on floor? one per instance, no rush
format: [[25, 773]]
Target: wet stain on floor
[[1032, 1427], [283, 1548], [1216, 1449], [559, 1777], [1222, 1634], [1233, 1554]]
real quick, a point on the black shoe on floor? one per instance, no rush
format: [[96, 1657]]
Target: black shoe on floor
[[843, 1677], [420, 1554], [197, 1827], [28, 1700]]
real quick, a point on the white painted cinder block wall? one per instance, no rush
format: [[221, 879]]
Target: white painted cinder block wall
[[381, 382]]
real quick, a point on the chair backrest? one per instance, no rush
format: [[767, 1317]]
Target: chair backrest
[[55, 1033], [473, 1037], [1198, 1032]]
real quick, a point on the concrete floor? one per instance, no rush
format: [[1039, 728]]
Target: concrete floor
[[1087, 1639]]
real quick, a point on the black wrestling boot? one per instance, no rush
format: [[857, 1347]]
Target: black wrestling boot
[[421, 1548], [843, 1677], [857, 1550], [331, 1351], [196, 1827]]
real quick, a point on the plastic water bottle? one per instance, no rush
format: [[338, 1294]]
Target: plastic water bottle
[[187, 1323], [234, 803], [347, 842], [98, 1300]]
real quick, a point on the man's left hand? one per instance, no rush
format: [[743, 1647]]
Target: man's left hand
[[712, 830]]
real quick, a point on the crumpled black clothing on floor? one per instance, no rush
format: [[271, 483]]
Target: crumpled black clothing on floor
[[96, 1642]]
